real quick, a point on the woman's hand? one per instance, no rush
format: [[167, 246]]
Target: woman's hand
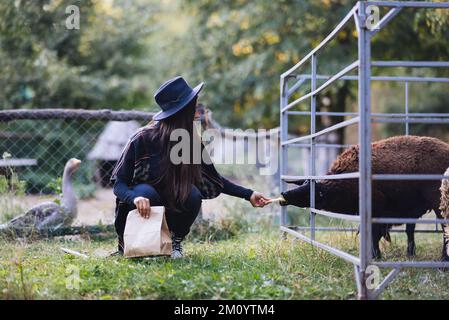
[[258, 200], [143, 206]]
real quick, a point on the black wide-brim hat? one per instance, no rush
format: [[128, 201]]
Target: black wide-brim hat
[[173, 96]]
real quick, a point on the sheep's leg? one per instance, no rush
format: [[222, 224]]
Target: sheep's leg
[[411, 247], [376, 236], [379, 209]]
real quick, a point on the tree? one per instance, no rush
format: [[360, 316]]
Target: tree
[[243, 46], [45, 64], [104, 64], [240, 48]]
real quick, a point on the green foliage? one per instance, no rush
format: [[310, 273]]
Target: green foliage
[[423, 98], [249, 266], [415, 34], [52, 144], [240, 48], [104, 64], [11, 187], [10, 182], [84, 191], [55, 185], [47, 65], [206, 230]]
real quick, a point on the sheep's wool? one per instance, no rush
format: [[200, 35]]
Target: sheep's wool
[[444, 204]]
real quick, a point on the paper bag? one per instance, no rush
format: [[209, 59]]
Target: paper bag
[[147, 237]]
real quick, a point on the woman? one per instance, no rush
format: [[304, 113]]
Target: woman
[[146, 176]]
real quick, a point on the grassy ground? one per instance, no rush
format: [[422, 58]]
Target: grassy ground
[[249, 266]]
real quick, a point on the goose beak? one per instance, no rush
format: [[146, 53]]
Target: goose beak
[[76, 162]]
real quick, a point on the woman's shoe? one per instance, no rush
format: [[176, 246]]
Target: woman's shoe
[[177, 248]]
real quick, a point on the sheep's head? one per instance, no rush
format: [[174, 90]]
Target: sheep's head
[[300, 196]]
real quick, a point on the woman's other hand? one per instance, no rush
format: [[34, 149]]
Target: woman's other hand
[[143, 206], [258, 200]]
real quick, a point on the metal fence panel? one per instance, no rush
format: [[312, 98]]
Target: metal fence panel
[[364, 118]]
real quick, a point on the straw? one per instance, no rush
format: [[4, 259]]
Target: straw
[[276, 200]]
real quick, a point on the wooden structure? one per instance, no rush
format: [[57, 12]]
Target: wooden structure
[[109, 147]]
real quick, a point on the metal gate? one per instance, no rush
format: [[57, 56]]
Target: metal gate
[[363, 262]]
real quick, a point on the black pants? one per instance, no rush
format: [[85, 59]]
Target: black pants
[[178, 223]]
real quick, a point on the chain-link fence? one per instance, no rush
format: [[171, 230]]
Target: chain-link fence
[[36, 144]]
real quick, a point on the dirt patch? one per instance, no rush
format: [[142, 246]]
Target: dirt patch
[[99, 209]]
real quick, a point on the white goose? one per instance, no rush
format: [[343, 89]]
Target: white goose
[[49, 215]]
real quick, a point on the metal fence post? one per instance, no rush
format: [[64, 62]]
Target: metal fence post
[[364, 97], [283, 137], [407, 124], [360, 12], [312, 154]]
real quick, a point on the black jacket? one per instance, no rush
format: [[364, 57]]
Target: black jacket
[[139, 163]]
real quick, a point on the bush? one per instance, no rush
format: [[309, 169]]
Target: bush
[[215, 230], [84, 191], [10, 187]]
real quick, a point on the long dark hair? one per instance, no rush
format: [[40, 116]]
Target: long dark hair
[[176, 180]]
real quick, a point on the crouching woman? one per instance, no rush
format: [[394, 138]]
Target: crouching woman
[[146, 176]]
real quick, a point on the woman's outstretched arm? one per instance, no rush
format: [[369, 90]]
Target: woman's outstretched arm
[[235, 190], [257, 199]]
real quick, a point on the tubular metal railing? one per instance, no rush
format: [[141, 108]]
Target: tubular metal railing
[[364, 118]]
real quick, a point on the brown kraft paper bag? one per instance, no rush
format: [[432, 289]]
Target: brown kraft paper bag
[[147, 237]]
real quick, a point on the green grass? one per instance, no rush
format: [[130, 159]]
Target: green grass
[[249, 266]]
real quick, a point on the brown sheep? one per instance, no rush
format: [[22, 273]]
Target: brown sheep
[[390, 199]]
